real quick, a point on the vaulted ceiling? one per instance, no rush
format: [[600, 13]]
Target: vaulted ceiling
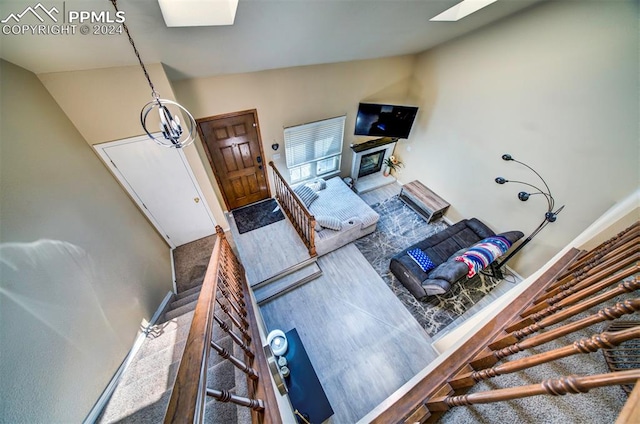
[[267, 34]]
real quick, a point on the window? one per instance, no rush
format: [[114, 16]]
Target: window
[[315, 149]]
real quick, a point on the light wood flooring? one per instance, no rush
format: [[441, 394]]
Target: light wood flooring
[[362, 342], [269, 250]]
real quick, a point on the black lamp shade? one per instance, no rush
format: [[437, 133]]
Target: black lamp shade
[[500, 180], [524, 196], [507, 156]]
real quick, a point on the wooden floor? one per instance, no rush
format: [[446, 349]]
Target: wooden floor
[[362, 342], [269, 250]]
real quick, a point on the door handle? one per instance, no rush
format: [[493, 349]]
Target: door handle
[[259, 159], [196, 199]]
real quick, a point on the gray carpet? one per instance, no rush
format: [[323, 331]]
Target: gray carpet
[[143, 392], [398, 228], [191, 261], [600, 405]]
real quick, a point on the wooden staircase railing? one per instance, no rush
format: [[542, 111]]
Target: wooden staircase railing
[[577, 282], [301, 219], [224, 296]]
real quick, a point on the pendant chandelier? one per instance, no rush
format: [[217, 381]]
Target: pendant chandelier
[[173, 132]]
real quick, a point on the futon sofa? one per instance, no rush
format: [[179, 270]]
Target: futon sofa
[[442, 249]]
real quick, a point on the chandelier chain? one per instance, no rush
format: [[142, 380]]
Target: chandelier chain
[[154, 93]]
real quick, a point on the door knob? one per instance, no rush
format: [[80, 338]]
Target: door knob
[[259, 166], [196, 199]]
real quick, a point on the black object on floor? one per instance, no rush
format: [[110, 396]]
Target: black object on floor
[[252, 217], [305, 391]]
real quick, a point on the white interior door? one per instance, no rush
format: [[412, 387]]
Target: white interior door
[[162, 183]]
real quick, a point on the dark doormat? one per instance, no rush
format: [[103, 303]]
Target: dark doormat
[[257, 215]]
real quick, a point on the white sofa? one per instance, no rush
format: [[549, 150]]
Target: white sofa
[[337, 200]]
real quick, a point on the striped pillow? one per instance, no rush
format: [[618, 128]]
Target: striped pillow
[[329, 222], [306, 194]]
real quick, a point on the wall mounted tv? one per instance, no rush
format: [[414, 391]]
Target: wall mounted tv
[[385, 120]]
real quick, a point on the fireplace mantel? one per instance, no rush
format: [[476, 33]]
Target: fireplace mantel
[[377, 179]]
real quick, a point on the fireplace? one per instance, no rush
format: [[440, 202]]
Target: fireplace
[[367, 164], [371, 163]]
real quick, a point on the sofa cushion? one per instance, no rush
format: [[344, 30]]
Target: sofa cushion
[[424, 262], [329, 222], [306, 195]]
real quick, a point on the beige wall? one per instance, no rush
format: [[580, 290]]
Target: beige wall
[[291, 96], [104, 105], [80, 267], [557, 87]]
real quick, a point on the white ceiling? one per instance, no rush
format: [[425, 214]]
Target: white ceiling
[[267, 34]]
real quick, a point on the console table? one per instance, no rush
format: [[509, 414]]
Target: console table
[[424, 201], [305, 391]]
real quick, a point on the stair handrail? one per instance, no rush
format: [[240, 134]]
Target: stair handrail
[[301, 218], [442, 385], [190, 390], [188, 396]]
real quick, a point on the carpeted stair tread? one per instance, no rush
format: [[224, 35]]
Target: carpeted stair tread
[[150, 413], [180, 310], [183, 301], [149, 364], [221, 412], [191, 262], [189, 292]]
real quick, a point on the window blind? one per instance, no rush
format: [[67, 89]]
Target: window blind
[[314, 141]]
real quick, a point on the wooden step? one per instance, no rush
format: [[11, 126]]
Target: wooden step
[[287, 282]]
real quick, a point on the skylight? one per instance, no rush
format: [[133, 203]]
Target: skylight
[[462, 9], [182, 13]]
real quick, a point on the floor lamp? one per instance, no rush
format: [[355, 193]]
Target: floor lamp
[[549, 216]]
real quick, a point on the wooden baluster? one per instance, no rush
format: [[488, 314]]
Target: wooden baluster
[[224, 396], [251, 373], [611, 266], [243, 321], [632, 231], [230, 291], [241, 312], [580, 291], [235, 321], [234, 337], [580, 295], [623, 244], [586, 345], [532, 327], [606, 314], [554, 387]]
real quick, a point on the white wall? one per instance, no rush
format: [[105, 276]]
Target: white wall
[[80, 266], [104, 105], [291, 96], [557, 87]]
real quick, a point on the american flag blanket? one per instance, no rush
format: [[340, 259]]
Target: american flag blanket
[[480, 255]]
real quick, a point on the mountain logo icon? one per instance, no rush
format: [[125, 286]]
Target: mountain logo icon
[[34, 11]]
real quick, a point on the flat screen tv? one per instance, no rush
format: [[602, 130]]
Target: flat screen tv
[[385, 120]]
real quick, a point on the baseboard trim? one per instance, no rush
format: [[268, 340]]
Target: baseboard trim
[[173, 271], [95, 412]]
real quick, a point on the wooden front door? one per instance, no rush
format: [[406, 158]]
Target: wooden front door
[[234, 149]]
